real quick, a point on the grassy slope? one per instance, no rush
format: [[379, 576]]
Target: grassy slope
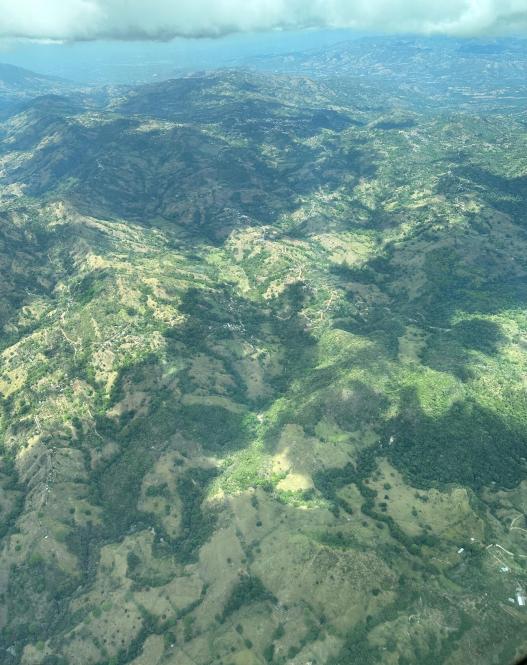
[[266, 432]]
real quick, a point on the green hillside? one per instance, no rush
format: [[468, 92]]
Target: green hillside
[[263, 360]]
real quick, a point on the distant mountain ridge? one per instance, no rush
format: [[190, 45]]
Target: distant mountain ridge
[[25, 78], [18, 85], [426, 72]]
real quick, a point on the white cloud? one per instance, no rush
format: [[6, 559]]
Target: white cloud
[[161, 19]]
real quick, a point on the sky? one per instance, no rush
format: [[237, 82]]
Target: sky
[[80, 20]]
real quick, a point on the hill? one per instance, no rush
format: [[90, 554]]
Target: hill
[[264, 347], [19, 85]]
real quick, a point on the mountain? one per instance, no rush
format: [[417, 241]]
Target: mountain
[[442, 72], [18, 85], [27, 82], [263, 360]]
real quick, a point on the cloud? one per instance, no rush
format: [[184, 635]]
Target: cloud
[[164, 19]]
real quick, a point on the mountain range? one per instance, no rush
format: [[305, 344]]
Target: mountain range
[[263, 358]]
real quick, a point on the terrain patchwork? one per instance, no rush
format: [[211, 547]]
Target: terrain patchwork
[[263, 360]]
